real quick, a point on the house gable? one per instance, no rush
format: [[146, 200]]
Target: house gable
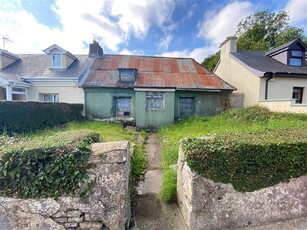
[[7, 58]]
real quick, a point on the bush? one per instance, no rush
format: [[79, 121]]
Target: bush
[[48, 167], [22, 117], [250, 160]]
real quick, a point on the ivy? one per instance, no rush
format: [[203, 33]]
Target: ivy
[[249, 160], [47, 170]]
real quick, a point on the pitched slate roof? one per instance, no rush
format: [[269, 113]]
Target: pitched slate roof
[[154, 72], [37, 66], [258, 62]]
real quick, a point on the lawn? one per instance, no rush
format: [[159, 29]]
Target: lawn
[[250, 119]]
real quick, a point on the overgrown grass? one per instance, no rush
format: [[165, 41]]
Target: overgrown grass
[[256, 119], [138, 162]]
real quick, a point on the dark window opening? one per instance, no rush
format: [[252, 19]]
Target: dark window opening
[[127, 75], [297, 94], [186, 105], [123, 106]]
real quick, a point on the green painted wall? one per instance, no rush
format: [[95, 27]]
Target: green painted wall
[[99, 102], [154, 118], [205, 103]]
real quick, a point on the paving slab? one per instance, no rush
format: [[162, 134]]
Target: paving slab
[[149, 212], [151, 184]]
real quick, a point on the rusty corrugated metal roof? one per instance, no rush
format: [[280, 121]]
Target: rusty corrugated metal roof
[[157, 72]]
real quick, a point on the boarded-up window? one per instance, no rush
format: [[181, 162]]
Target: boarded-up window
[[186, 106], [123, 106], [154, 100]]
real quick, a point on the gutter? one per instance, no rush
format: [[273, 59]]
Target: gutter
[[272, 75]]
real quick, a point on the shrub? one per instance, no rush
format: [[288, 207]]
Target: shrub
[[22, 117], [48, 167], [250, 160]]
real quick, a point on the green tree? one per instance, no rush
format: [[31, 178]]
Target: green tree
[[210, 62], [261, 31]]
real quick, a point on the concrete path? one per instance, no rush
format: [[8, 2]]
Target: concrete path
[[150, 213]]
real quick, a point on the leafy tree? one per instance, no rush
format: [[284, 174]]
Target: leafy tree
[[290, 33], [210, 62], [261, 31]]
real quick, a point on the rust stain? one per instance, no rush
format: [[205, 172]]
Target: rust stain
[[154, 72]]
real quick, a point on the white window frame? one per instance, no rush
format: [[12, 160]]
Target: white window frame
[[54, 97], [154, 96], [52, 61], [21, 91]]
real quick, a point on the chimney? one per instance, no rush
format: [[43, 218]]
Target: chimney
[[228, 46], [95, 50]]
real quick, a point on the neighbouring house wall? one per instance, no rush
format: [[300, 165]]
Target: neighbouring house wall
[[244, 80], [5, 61], [106, 207], [282, 88], [100, 102], [205, 103], [69, 92], [208, 205], [154, 118]]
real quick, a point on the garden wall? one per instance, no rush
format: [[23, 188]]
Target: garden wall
[[208, 205], [106, 207]]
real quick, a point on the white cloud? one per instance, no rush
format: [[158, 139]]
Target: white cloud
[[297, 10], [112, 22], [165, 42], [199, 54], [133, 52], [223, 23]]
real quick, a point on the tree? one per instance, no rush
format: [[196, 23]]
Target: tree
[[262, 31], [210, 62], [259, 31]]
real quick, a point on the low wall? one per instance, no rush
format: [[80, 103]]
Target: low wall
[[106, 207], [208, 205], [284, 106]]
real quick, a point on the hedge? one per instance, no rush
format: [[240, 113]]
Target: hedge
[[250, 160], [48, 167], [23, 117]]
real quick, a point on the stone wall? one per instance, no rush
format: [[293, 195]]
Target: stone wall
[[106, 207], [208, 205]]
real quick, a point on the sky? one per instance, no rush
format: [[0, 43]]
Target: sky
[[172, 28]]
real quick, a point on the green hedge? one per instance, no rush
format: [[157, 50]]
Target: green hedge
[[22, 117], [48, 167], [249, 161]]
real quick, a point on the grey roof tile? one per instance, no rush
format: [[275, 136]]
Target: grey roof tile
[[257, 60], [36, 65]]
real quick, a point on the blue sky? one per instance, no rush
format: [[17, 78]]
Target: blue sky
[[184, 28]]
